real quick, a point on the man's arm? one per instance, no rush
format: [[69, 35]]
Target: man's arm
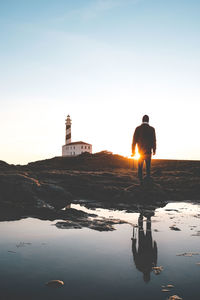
[[154, 142], [134, 141]]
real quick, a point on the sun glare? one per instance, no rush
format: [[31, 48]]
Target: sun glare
[[137, 156]]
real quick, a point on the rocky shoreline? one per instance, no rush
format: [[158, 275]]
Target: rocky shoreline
[[43, 188]]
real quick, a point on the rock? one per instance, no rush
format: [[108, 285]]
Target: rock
[[55, 283], [54, 195], [197, 216], [175, 297], [188, 254], [157, 270], [45, 187], [22, 244], [196, 234], [170, 286], [173, 227], [165, 290]]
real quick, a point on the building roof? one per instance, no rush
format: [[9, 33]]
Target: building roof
[[76, 143]]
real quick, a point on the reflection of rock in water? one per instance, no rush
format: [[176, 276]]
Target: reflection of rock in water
[[102, 224], [145, 255]]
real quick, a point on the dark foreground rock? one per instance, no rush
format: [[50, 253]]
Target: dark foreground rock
[[43, 188]]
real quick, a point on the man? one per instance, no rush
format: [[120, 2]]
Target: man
[[145, 139]]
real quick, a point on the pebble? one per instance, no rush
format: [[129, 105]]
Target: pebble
[[175, 297], [55, 283], [157, 270], [22, 244], [166, 287], [196, 234], [189, 254], [174, 228], [170, 286]]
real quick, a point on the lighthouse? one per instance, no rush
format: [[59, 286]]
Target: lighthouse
[[73, 148], [68, 124]]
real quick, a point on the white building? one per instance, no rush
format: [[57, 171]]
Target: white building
[[75, 148]]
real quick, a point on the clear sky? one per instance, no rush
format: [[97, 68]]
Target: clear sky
[[104, 62]]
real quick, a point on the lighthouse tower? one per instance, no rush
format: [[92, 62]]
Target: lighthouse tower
[[75, 148], [68, 124]]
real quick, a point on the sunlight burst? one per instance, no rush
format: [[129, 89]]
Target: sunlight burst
[[137, 156]]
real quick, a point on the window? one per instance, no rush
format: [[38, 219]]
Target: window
[[74, 147], [74, 153], [81, 148], [88, 147], [85, 147]]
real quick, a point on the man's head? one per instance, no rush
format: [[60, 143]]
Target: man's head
[[145, 119]]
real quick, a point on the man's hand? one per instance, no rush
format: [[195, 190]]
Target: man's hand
[[133, 154], [154, 152]]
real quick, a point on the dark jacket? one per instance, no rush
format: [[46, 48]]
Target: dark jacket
[[145, 138]]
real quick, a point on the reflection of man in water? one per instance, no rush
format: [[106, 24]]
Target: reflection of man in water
[[145, 257], [145, 139]]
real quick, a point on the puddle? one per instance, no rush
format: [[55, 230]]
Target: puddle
[[143, 259]]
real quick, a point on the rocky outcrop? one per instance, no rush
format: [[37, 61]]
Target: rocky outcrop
[[24, 191], [43, 188]]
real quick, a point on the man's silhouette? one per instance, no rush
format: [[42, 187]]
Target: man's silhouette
[[145, 256], [145, 139]]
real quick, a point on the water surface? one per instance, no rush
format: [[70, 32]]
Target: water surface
[[104, 265]]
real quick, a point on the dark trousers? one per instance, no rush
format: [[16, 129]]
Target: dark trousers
[[147, 159]]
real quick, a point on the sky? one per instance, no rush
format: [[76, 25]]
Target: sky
[[104, 62]]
